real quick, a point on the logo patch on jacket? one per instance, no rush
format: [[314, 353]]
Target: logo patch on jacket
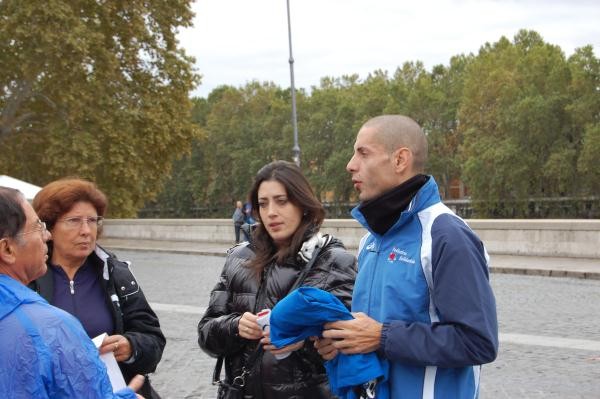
[[398, 255]]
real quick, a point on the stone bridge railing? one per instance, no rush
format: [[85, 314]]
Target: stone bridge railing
[[554, 238]]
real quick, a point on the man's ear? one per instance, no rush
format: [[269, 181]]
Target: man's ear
[[7, 251], [402, 160]]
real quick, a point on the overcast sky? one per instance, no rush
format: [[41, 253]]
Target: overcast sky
[[237, 41]]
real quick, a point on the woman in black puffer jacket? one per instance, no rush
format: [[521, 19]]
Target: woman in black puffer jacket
[[256, 276]]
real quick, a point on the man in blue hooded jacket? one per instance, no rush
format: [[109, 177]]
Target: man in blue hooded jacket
[[422, 297], [45, 352]]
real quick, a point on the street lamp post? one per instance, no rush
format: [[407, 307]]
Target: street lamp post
[[296, 148]]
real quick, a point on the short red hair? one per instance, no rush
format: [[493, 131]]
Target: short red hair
[[58, 197]]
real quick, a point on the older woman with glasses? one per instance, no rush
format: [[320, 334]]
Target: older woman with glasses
[[91, 283]]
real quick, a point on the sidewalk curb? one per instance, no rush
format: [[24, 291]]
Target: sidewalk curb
[[202, 252], [545, 272]]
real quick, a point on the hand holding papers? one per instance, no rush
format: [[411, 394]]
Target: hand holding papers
[[263, 321], [114, 372]]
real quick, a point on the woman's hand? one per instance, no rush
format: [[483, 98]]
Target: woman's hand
[[136, 384], [325, 348], [119, 345], [248, 328], [266, 343]]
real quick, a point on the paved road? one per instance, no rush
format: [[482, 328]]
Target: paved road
[[549, 347]]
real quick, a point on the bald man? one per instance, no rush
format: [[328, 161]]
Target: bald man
[[422, 298]]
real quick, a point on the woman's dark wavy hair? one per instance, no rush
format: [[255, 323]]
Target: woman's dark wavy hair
[[299, 193]]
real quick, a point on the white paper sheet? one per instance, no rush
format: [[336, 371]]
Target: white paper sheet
[[114, 372]]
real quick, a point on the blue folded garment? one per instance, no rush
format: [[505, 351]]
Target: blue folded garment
[[301, 314]]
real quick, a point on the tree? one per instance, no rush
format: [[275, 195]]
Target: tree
[[329, 125], [432, 100], [246, 128], [518, 121], [95, 89], [515, 127], [584, 110], [183, 193]]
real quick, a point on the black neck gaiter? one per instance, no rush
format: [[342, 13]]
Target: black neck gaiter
[[382, 212]]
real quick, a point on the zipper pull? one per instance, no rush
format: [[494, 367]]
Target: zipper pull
[[72, 287]]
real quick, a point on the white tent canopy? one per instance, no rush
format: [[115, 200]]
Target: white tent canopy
[[29, 190]]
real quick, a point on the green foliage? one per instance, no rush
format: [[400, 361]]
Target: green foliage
[[519, 140], [97, 90], [333, 115], [246, 129], [587, 163], [100, 90], [517, 122], [584, 93], [442, 89]]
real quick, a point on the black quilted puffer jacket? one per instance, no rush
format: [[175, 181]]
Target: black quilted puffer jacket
[[300, 375]]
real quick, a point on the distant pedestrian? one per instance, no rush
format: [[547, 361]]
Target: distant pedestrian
[[238, 220], [248, 218], [249, 222]]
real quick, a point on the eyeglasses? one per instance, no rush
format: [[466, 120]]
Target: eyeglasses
[[77, 221], [41, 226]]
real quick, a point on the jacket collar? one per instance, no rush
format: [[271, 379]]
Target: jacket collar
[[382, 212], [309, 246], [426, 196], [103, 255], [13, 293]]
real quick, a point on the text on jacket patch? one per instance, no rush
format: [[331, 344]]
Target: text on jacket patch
[[399, 255]]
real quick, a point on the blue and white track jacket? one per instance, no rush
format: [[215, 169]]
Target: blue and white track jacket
[[427, 281]]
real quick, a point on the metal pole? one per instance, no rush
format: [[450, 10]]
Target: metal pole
[[296, 148]]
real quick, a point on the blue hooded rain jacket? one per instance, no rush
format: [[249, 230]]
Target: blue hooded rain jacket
[[45, 352]]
